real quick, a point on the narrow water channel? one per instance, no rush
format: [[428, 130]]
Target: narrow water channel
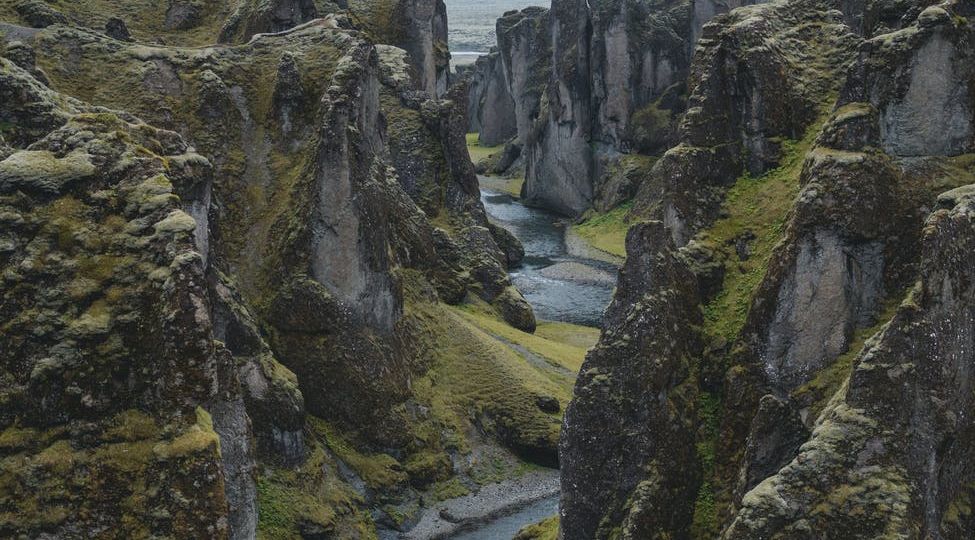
[[560, 287]]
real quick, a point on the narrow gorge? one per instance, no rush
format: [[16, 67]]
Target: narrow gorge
[[422, 269]]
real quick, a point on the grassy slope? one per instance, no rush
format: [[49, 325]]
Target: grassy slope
[[607, 231], [474, 370]]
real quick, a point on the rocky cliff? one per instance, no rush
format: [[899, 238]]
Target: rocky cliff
[[227, 278], [814, 384], [615, 88]]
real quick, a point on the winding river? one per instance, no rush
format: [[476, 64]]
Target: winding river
[[561, 286]]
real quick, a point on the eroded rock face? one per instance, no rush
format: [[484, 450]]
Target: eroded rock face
[[735, 118], [926, 107], [811, 435], [634, 404], [491, 109], [109, 363], [524, 44], [907, 480]]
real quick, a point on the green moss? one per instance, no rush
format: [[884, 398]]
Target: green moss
[[196, 438], [547, 529], [760, 206], [449, 489], [605, 231], [705, 521], [379, 471], [309, 494]]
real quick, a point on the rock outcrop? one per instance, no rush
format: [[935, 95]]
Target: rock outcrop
[[617, 87], [247, 266], [111, 365], [634, 404], [491, 111], [260, 16], [824, 246]]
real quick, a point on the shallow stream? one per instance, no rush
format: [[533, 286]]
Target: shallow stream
[[559, 286]]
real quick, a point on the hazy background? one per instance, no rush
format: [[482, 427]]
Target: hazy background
[[470, 23]]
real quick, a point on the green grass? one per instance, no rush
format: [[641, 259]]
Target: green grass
[[607, 231], [704, 524], [472, 376], [760, 205], [511, 186], [547, 529], [479, 152], [309, 493], [561, 344]]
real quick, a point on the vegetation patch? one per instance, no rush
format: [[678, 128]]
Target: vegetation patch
[[480, 153], [757, 207], [605, 231], [474, 378], [547, 529], [310, 496], [561, 344]]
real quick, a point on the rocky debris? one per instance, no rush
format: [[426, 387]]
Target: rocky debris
[[456, 515], [262, 16], [115, 28], [634, 404]]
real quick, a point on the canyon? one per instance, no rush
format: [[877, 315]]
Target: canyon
[[270, 269]]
